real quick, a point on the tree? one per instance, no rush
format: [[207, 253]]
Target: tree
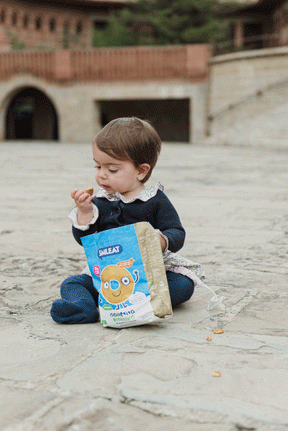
[[118, 31], [166, 22]]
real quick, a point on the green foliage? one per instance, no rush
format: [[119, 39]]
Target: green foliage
[[46, 48], [25, 106], [166, 22], [118, 31], [65, 40], [15, 42]]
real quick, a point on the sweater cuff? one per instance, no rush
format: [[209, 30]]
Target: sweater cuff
[[165, 238], [73, 215]]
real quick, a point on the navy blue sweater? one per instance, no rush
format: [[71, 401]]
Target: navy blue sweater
[[158, 211]]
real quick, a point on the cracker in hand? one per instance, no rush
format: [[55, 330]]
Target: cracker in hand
[[90, 191]]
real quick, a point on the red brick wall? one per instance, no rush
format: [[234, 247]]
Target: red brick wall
[[186, 62], [33, 25]]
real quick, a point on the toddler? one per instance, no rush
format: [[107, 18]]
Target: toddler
[[125, 152]]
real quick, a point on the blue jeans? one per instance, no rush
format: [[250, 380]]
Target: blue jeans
[[79, 298]]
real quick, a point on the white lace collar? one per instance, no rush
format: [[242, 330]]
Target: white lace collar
[[145, 194]]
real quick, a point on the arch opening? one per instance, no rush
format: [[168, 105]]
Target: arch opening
[[31, 115]]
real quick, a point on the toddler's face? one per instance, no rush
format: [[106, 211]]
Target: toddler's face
[[117, 175]]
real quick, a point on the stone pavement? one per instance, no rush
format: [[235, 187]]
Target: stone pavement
[[233, 204]]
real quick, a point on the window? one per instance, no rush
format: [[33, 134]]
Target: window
[[100, 24], [2, 15], [14, 18], [38, 23], [52, 24], [25, 21], [79, 27]]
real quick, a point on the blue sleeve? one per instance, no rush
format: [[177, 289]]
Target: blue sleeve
[[78, 234], [168, 222]]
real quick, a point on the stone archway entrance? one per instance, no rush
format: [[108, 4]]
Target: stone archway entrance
[[31, 115]]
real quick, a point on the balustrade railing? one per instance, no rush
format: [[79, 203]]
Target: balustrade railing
[[249, 43], [188, 62]]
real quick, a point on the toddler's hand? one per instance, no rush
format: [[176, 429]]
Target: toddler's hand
[[83, 202]]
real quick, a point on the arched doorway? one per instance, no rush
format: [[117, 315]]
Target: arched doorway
[[31, 115]]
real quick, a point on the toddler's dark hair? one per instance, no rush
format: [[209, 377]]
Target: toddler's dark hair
[[130, 138]]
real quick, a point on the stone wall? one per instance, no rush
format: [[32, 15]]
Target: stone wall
[[78, 106], [248, 98]]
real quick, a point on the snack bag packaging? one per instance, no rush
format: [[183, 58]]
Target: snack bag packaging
[[127, 267]]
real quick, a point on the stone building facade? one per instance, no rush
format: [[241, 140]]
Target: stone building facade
[[69, 95], [54, 24]]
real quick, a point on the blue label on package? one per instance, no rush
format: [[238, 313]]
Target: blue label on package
[[115, 262], [120, 261]]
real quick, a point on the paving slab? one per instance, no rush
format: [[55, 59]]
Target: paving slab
[[233, 204]]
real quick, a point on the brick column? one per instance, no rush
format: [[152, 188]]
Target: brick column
[[63, 70], [4, 40], [197, 61], [239, 33]]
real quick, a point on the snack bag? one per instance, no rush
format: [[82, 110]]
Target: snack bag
[[127, 267]]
